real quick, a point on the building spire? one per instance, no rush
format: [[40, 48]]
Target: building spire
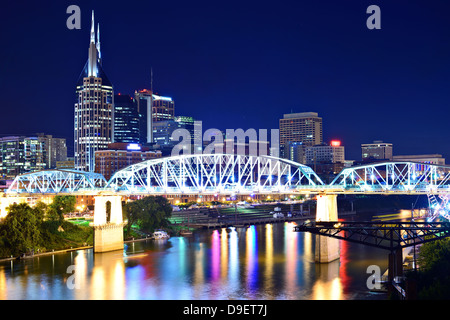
[[98, 43], [93, 28], [93, 52]]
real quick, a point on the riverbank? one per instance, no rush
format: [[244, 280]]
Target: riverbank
[[45, 254]]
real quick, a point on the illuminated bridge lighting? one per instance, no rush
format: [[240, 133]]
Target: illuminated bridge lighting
[[223, 174], [213, 174]]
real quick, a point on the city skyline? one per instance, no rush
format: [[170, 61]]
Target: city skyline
[[243, 66]]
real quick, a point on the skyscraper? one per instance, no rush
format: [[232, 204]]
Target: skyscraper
[[303, 127], [94, 108], [152, 108], [144, 101], [163, 108], [126, 119]]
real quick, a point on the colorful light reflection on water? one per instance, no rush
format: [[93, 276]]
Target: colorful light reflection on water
[[260, 262]]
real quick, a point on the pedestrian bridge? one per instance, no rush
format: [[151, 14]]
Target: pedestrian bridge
[[221, 174], [239, 175]]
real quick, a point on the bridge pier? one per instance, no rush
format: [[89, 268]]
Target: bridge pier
[[108, 235], [395, 268], [327, 249]]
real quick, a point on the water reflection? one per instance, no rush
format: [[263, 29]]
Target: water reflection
[[328, 285], [251, 260], [268, 275], [259, 262]]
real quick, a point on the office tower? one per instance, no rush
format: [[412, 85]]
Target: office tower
[[163, 108], [163, 132], [55, 149], [126, 119], [376, 151], [12, 157], [326, 159], [186, 123], [19, 154], [325, 153], [152, 108], [294, 151], [143, 100], [94, 111], [300, 127]]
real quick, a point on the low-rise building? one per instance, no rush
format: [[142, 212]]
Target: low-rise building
[[422, 158], [121, 155]]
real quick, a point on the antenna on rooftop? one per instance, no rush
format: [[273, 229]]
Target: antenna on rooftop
[[151, 80]]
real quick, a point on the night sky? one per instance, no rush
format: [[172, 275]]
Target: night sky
[[241, 64]]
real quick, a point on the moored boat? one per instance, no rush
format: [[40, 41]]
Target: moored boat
[[160, 234]]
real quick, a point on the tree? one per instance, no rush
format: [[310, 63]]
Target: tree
[[60, 206], [433, 281], [149, 213], [21, 228]]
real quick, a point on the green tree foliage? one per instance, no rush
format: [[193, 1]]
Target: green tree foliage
[[21, 228], [60, 206], [149, 213], [26, 229], [433, 280]]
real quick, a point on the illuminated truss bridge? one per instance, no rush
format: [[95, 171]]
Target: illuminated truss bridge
[[57, 181], [395, 177], [215, 174], [245, 175]]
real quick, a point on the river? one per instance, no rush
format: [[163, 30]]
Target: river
[[264, 262]]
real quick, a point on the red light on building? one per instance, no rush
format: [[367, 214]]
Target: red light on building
[[335, 143]]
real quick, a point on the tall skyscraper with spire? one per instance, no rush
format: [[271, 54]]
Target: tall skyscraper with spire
[[94, 108]]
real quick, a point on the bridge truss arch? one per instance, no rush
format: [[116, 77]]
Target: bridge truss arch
[[57, 181], [398, 177], [214, 174]]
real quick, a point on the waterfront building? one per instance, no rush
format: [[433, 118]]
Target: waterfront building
[[126, 119], [121, 155], [377, 151], [94, 111], [303, 127]]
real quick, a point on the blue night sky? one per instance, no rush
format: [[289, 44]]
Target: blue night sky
[[241, 64]]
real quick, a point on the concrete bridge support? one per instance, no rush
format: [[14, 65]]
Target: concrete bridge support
[[327, 249], [5, 202], [108, 233]]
